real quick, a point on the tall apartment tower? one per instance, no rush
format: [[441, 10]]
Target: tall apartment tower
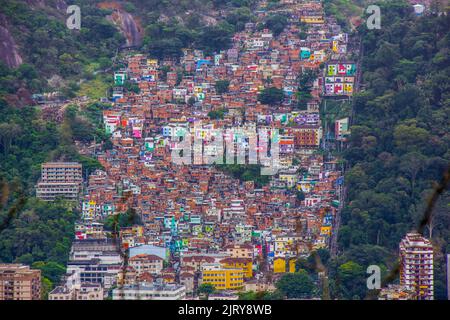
[[19, 282], [60, 179], [416, 265]]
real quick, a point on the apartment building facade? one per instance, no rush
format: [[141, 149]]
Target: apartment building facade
[[83, 292], [19, 282], [146, 263], [223, 278], [166, 291], [60, 179], [416, 265]]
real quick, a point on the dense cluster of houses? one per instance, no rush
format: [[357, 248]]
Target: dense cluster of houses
[[199, 224]]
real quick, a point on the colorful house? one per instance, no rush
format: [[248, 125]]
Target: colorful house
[[222, 278], [239, 263], [279, 265]]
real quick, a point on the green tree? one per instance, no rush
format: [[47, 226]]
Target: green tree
[[248, 295], [352, 280], [222, 86], [206, 289], [46, 288], [50, 270], [217, 114], [191, 101], [296, 285], [239, 17], [271, 96], [305, 83], [215, 38], [300, 195], [276, 23], [123, 220]]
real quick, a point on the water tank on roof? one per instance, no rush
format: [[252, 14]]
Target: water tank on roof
[[418, 9]]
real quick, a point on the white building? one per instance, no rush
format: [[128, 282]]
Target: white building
[[146, 291], [83, 292], [416, 265]]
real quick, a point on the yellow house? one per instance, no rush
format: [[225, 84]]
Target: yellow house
[[222, 278], [325, 231], [305, 185], [89, 208], [279, 265], [135, 231], [292, 265], [312, 19], [335, 46], [152, 63], [239, 263], [289, 177]]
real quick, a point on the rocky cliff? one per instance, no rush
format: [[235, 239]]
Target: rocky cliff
[[9, 52]]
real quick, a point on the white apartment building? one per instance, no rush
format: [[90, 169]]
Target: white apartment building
[[416, 265], [144, 291]]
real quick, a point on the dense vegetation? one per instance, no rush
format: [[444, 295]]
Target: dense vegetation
[[271, 96], [49, 48], [296, 285], [399, 147], [39, 233], [248, 172], [276, 23], [192, 24], [222, 86], [305, 84], [123, 220], [217, 114], [32, 231], [344, 10]]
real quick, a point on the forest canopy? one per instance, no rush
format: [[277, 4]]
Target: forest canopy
[[399, 146]]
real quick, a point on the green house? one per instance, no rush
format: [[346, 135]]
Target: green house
[[119, 78]]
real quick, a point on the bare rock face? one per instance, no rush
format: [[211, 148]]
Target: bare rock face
[[128, 26], [125, 22], [9, 52]]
